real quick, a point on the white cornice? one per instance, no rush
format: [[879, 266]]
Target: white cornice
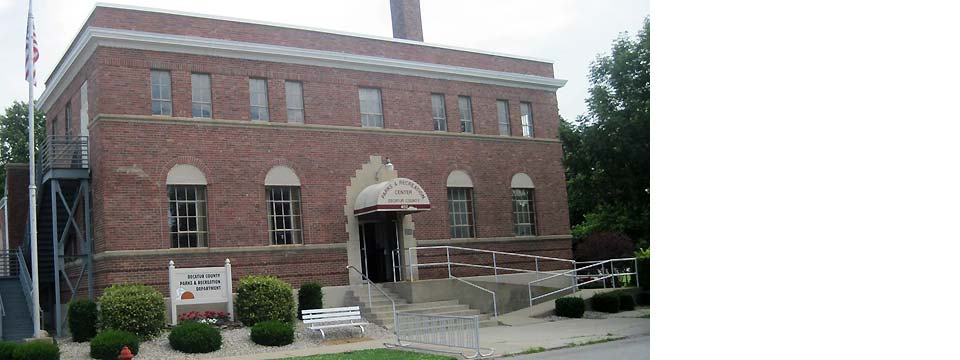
[[92, 37]]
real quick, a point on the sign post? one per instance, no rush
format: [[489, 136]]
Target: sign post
[[205, 285]]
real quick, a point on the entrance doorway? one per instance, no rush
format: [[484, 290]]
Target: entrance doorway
[[379, 244]]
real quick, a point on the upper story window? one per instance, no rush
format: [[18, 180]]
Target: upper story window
[[503, 117], [294, 94], [524, 208], [259, 110], [160, 100], [66, 119], [526, 119], [283, 206], [466, 114], [460, 205], [202, 99], [439, 112], [187, 210], [371, 108]]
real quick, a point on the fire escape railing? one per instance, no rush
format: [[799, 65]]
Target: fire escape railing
[[64, 152]]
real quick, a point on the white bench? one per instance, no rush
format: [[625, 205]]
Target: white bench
[[320, 319]]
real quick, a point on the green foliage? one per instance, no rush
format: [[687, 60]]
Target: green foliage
[[262, 298], [82, 318], [135, 308], [14, 138], [571, 307], [7, 348], [107, 344], [272, 333], [193, 337], [37, 350], [626, 301], [607, 152], [606, 302], [309, 297]]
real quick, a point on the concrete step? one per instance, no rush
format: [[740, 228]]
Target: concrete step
[[449, 309], [404, 307]]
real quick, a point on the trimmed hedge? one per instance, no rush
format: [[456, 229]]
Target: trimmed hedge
[[82, 319], [309, 297], [263, 298], [571, 307], [135, 308], [272, 333], [37, 350], [626, 301], [193, 337], [107, 344], [7, 348], [606, 302]]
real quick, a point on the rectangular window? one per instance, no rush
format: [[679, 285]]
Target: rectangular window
[[202, 100], [66, 119], [259, 110], [524, 213], [160, 100], [294, 91], [460, 206], [187, 215], [526, 119], [503, 117], [439, 112], [466, 114], [371, 108], [283, 215]]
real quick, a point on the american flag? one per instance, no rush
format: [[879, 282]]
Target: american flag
[[31, 71]]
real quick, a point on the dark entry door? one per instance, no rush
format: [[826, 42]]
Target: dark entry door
[[379, 240]]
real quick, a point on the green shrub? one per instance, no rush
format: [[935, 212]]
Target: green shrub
[[572, 307], [272, 333], [108, 343], [263, 298], [7, 348], [606, 302], [309, 297], [193, 337], [37, 350], [626, 301], [643, 298], [82, 319], [135, 308]]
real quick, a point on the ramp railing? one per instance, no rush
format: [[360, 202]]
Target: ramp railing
[[483, 258], [461, 333], [598, 271]]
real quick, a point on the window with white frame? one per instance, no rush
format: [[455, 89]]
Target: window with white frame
[[160, 99], [202, 100], [439, 112], [526, 119], [460, 207], [259, 110], [503, 117], [294, 94], [466, 114], [283, 215], [524, 212], [371, 108], [187, 215]]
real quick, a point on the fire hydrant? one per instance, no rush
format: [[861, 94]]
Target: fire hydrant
[[125, 354]]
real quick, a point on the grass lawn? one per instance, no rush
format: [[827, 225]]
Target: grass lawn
[[375, 354]]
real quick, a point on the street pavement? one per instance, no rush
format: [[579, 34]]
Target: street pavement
[[637, 348]]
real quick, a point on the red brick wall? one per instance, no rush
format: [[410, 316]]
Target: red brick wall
[[18, 178], [273, 35]]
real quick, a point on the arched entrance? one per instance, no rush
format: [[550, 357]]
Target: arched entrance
[[380, 210]]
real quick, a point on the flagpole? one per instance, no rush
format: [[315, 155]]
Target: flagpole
[[33, 187]]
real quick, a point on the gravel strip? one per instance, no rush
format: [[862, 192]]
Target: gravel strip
[[235, 342]]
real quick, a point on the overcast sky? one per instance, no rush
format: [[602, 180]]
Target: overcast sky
[[569, 32]]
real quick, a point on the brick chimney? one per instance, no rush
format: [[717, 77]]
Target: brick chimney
[[406, 19]]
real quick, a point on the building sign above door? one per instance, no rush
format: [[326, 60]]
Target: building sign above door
[[400, 194]]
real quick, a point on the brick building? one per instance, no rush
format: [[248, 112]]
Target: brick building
[[293, 151]]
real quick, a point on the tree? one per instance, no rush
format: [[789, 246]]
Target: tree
[[14, 139], [607, 152]]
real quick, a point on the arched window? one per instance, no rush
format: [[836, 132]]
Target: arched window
[[187, 211], [460, 205], [283, 206], [524, 208]]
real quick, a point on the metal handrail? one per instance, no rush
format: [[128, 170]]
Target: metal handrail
[[25, 281], [393, 304], [71, 152], [496, 269], [493, 295], [575, 276]]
